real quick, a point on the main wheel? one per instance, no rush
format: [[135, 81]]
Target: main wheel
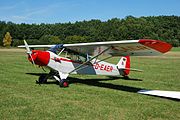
[[42, 79], [63, 83]]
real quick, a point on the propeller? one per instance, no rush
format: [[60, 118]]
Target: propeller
[[29, 52]]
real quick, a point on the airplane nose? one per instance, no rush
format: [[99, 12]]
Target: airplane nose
[[40, 57], [43, 58]]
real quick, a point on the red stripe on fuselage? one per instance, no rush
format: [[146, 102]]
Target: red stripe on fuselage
[[66, 60]]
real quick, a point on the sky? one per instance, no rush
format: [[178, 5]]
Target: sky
[[63, 11]]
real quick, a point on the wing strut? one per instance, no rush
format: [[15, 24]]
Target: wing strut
[[78, 67], [61, 51]]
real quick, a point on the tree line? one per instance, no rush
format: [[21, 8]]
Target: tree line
[[165, 28]]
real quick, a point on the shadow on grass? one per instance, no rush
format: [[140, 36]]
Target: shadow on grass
[[99, 83]]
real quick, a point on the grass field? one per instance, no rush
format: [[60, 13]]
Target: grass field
[[175, 49], [89, 97]]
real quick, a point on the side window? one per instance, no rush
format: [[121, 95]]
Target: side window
[[78, 58], [81, 58], [74, 56]]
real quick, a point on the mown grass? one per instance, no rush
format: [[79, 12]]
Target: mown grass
[[175, 49], [89, 97]]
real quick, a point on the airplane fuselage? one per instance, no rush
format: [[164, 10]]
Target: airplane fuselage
[[94, 67]]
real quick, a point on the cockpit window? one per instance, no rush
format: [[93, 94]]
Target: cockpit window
[[75, 56]]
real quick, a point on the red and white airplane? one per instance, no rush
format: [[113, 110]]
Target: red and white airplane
[[82, 58]]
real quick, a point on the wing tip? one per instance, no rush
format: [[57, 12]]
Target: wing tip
[[158, 45]]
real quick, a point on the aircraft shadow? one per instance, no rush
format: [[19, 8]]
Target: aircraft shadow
[[98, 83], [125, 78], [36, 74], [109, 77]]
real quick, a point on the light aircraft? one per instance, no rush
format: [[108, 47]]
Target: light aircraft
[[83, 58]]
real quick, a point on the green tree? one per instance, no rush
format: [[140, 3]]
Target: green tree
[[55, 40], [166, 28], [48, 39], [75, 39], [7, 40]]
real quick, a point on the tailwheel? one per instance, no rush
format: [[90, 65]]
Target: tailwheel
[[63, 83], [42, 79]]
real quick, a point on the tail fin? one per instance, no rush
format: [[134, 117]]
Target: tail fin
[[124, 65]]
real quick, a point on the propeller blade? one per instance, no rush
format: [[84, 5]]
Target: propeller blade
[[32, 59], [27, 47], [29, 52]]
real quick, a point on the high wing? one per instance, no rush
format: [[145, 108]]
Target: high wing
[[142, 47], [37, 46]]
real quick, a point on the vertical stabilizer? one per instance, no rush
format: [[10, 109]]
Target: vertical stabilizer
[[124, 65]]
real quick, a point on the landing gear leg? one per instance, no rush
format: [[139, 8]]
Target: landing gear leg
[[64, 83]]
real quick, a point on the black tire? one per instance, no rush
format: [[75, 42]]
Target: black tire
[[42, 79], [63, 83]]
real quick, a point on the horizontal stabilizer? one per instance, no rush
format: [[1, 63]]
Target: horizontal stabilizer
[[132, 69]]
